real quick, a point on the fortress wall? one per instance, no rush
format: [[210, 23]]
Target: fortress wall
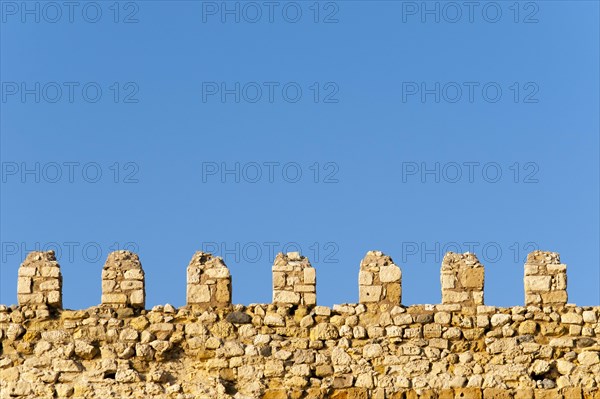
[[293, 348]]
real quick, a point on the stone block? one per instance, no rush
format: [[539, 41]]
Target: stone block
[[54, 298], [108, 285], [134, 274], [304, 288], [131, 285], [286, 297], [217, 272], [556, 268], [53, 272], [50, 285], [388, 274], [554, 297], [370, 293], [24, 285], [533, 299], [25, 271], [310, 275], [468, 393], [114, 298], [198, 294], [560, 282], [310, 299], [496, 393], [136, 298], [472, 278], [477, 297], [393, 293], [455, 296], [537, 283], [31, 299], [365, 278], [278, 279], [531, 270], [223, 293], [448, 280]]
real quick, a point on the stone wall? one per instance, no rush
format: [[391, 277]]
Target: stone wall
[[300, 350]]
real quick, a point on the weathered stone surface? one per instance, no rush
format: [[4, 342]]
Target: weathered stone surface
[[39, 282], [294, 280], [379, 280], [123, 281], [208, 282], [285, 350], [545, 279], [462, 279]]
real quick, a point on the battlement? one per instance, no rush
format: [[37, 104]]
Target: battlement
[[292, 348], [209, 282]]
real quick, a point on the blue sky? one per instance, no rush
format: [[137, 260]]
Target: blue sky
[[333, 128]]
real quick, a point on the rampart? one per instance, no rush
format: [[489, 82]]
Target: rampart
[[292, 348]]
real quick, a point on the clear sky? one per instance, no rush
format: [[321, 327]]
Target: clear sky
[[335, 128]]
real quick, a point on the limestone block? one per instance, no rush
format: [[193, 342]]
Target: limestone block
[[136, 298], [128, 285], [310, 299], [134, 274], [365, 278], [556, 268], [455, 296], [24, 285], [286, 297], [370, 293], [50, 272], [537, 283], [310, 276], [278, 279], [388, 274], [560, 282], [304, 288], [54, 298], [114, 298], [198, 294], [472, 278], [223, 293], [27, 271], [219, 272], [448, 280], [554, 297], [393, 293]]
